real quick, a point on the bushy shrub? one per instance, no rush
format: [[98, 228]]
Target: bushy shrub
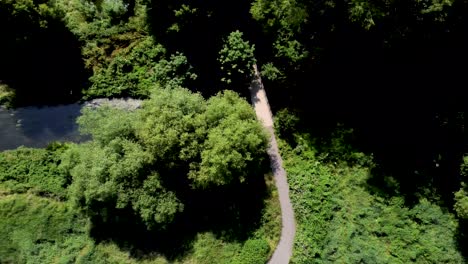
[[341, 218], [36, 170], [134, 70], [254, 251]]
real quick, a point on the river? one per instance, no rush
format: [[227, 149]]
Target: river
[[38, 126]]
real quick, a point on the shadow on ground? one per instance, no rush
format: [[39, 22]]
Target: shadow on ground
[[199, 35], [42, 64], [231, 213], [405, 111]]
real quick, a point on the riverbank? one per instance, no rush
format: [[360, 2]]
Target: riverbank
[[36, 127]]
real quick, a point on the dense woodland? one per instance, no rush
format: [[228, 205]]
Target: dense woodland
[[369, 106]]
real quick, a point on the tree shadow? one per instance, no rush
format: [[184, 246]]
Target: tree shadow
[[462, 237], [403, 110], [231, 213], [417, 138], [199, 33], [42, 63]]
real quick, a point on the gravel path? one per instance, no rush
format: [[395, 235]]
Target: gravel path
[[283, 251]]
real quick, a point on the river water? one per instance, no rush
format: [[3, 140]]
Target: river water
[[38, 126]]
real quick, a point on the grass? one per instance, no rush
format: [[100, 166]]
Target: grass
[[38, 229], [33, 170]]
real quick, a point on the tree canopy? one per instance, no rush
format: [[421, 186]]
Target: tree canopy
[[176, 134]]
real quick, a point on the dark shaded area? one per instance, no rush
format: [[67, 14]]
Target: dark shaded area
[[231, 213], [403, 98], [41, 62], [414, 136], [462, 237], [401, 95], [200, 35]]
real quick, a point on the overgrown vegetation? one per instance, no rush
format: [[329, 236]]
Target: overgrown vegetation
[[205, 194], [37, 229], [461, 196], [34, 171], [374, 158], [342, 217], [136, 69], [176, 137], [236, 58]]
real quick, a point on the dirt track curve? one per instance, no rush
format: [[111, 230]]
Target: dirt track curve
[[283, 251]]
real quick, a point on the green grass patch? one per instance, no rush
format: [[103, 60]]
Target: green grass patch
[[33, 170], [39, 230]]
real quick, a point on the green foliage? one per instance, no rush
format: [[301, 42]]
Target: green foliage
[[270, 224], [39, 230], [38, 13], [106, 123], [292, 50], [168, 124], [271, 72], [209, 249], [34, 170], [364, 13], [461, 204], [285, 123], [285, 19], [133, 71], [7, 95], [114, 9], [234, 144], [342, 219], [285, 16], [254, 251], [214, 142], [220, 139], [117, 48], [236, 58], [91, 20], [461, 196], [110, 176], [301, 32]]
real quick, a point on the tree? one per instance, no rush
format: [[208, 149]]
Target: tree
[[234, 144], [134, 70], [236, 58], [176, 135], [220, 139], [106, 178]]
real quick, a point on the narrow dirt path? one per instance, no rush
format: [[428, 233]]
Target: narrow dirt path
[[283, 251]]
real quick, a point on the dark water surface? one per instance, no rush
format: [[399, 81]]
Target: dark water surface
[[38, 126]]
